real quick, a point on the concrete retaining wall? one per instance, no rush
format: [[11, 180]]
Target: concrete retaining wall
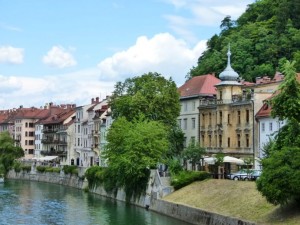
[[154, 194]]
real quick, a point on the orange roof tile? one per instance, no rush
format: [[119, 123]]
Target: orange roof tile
[[199, 85]]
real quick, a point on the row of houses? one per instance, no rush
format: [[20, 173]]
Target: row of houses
[[66, 134], [229, 115], [223, 114]]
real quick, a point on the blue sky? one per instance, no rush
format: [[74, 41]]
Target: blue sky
[[72, 51]]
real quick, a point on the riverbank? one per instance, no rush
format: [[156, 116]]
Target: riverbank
[[156, 192], [239, 199]]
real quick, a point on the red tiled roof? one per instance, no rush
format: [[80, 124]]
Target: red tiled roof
[[59, 117], [199, 85], [265, 111]]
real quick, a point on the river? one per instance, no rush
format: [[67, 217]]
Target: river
[[37, 203]]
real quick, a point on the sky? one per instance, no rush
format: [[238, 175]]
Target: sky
[[68, 52]]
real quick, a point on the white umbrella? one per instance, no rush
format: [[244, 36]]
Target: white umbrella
[[230, 159], [226, 159]]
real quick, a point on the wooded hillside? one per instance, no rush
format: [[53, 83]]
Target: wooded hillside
[[261, 39]]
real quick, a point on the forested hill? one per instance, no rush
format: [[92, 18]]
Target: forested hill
[[261, 39]]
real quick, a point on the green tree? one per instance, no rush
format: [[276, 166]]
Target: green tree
[[280, 180], [134, 147], [154, 97], [193, 153], [8, 151], [150, 94], [286, 104]]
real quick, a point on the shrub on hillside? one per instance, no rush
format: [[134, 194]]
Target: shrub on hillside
[[41, 169], [26, 168], [17, 166], [70, 169], [185, 178], [94, 175]]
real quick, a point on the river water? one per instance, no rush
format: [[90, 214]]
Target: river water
[[36, 203]]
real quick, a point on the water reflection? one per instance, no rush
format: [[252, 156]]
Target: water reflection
[[23, 202]]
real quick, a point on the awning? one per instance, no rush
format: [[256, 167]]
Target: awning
[[226, 159], [48, 158]]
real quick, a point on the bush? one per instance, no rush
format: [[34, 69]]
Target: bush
[[41, 169], [175, 166], [185, 178], [52, 169], [17, 166], [70, 169], [26, 168], [94, 175]]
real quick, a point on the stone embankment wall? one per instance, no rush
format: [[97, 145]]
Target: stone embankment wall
[[153, 197]]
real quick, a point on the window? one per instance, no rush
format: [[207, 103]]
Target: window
[[31, 125], [78, 129], [271, 126], [220, 141], [31, 142], [26, 124], [78, 142], [220, 116], [228, 142], [185, 106], [239, 140], [209, 118], [247, 115], [221, 93], [203, 118], [30, 151], [228, 118], [247, 140], [193, 139], [185, 124], [26, 134], [239, 117], [193, 123], [263, 127], [194, 105], [25, 142], [209, 139]]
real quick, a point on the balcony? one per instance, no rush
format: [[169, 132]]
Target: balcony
[[50, 130], [52, 153]]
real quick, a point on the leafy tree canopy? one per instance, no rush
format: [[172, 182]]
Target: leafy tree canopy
[[150, 94], [8, 151], [280, 179], [193, 153], [133, 148], [268, 31]]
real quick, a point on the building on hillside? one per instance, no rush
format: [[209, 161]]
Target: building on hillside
[[267, 129], [106, 122], [95, 114], [226, 124], [58, 136], [199, 87], [24, 120], [6, 122], [83, 135]]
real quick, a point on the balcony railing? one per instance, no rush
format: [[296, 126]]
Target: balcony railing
[[52, 153]]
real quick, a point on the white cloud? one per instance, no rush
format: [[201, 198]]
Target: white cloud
[[202, 13], [163, 54], [9, 54], [59, 57]]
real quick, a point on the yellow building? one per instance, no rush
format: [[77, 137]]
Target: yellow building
[[226, 122]]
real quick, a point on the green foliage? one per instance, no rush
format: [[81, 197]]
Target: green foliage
[[185, 178], [95, 176], [174, 166], [268, 31], [286, 104], [280, 179], [26, 168], [52, 169], [8, 151], [150, 95], [70, 169], [133, 148], [153, 97], [193, 153], [41, 169], [17, 166]]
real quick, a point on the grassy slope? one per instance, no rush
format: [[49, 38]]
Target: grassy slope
[[238, 199]]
